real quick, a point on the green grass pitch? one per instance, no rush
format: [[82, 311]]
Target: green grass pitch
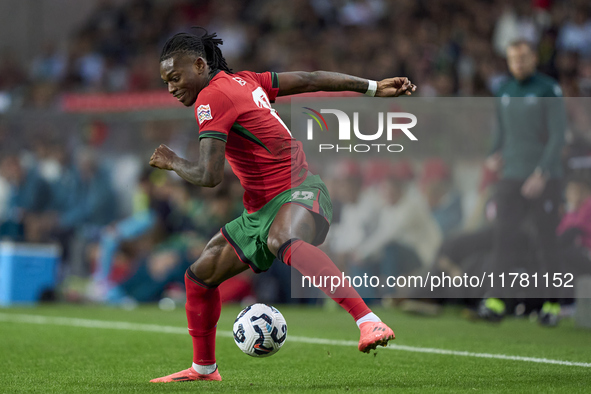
[[68, 355]]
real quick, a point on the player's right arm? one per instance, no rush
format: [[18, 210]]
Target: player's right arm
[[304, 82], [215, 114], [207, 171]]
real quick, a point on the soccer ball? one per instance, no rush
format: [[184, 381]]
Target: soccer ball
[[260, 330]]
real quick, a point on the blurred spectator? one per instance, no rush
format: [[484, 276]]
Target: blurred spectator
[[405, 238], [575, 34], [471, 249], [28, 195], [574, 230], [516, 22], [149, 211], [12, 74], [484, 210], [447, 47], [165, 265], [95, 203], [527, 152], [352, 217], [443, 199], [49, 65], [55, 167], [348, 233], [4, 197], [575, 227], [227, 24], [375, 172], [89, 64]]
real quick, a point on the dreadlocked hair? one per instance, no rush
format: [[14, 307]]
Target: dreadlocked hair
[[206, 46]]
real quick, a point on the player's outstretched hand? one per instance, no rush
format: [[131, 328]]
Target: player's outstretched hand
[[394, 87], [163, 158]]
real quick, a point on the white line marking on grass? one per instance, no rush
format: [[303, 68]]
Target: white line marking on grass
[[74, 322], [115, 325]]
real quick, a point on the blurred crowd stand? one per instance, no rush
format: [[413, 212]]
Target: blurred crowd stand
[[130, 232]]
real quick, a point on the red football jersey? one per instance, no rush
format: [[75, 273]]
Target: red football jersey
[[236, 108]]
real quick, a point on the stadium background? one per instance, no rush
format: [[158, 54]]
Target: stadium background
[[81, 97], [82, 107]]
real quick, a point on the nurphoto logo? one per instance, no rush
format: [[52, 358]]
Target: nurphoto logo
[[344, 133]]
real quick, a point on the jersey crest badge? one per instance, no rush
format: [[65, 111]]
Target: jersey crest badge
[[204, 113]]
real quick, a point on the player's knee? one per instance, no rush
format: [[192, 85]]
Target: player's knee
[[275, 242], [203, 273]]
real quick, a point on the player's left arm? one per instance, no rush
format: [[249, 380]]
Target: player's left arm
[[207, 171], [304, 82]]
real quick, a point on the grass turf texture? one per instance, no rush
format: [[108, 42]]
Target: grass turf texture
[[60, 359]]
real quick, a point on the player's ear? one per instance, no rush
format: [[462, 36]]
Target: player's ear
[[200, 65]]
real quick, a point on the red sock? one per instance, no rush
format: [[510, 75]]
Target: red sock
[[311, 261], [203, 312]]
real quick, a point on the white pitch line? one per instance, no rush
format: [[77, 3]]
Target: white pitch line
[[115, 325]]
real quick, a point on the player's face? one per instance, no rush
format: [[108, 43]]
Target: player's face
[[521, 61], [185, 77]]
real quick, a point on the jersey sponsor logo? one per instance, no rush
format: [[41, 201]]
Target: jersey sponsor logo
[[204, 113]]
